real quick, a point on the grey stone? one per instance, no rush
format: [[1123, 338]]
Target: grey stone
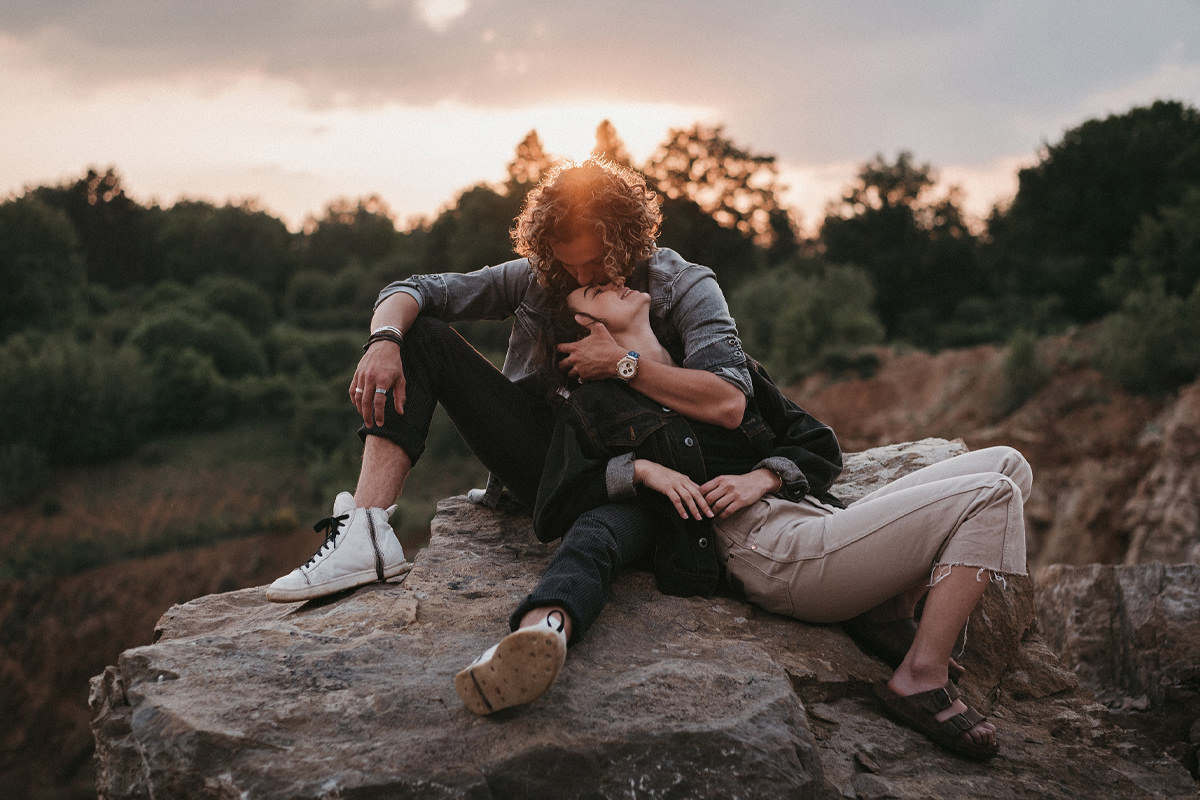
[[1130, 634], [667, 697]]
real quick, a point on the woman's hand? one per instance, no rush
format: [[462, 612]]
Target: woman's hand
[[681, 490], [726, 494]]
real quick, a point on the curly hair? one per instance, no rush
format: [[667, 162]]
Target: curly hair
[[596, 195]]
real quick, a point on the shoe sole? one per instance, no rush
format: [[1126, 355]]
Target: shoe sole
[[348, 581], [524, 666]]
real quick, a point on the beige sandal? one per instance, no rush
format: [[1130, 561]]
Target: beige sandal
[[517, 670]]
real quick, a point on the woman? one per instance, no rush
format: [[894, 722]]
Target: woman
[[940, 532]]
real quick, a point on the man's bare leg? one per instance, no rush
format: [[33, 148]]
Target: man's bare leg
[[385, 468]]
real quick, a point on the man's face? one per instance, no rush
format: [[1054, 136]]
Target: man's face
[[582, 255]]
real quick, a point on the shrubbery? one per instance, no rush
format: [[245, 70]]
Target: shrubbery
[[1152, 344], [799, 318], [1024, 372], [72, 402]]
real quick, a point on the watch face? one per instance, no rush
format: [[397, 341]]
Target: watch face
[[626, 368]]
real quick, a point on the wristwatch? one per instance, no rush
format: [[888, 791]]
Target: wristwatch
[[627, 366]]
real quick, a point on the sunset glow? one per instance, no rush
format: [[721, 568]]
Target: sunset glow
[[416, 101]]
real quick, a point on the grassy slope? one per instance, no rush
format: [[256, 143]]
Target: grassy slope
[[193, 490]]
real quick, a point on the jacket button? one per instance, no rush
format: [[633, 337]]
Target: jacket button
[[703, 543], [688, 441]]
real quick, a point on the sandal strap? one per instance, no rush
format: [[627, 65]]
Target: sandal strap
[[963, 722], [936, 700]]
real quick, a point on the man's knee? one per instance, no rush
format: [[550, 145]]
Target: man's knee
[[427, 330]]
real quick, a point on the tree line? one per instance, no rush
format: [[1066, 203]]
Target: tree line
[[123, 321]]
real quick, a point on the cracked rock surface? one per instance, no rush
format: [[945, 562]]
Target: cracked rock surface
[[352, 696]]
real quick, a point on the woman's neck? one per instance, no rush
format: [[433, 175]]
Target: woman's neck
[[645, 344]]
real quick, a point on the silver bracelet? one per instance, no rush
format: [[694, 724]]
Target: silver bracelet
[[391, 328]]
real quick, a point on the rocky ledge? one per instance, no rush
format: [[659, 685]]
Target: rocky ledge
[[352, 697]]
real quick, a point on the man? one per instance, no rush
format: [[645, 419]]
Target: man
[[589, 224]]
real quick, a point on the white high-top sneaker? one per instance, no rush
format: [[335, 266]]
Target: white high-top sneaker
[[359, 547], [517, 670]]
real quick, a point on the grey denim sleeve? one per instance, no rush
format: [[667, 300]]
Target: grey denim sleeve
[[794, 485], [618, 478], [487, 293], [698, 310]]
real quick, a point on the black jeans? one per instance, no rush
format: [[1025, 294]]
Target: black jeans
[[508, 428], [597, 547]]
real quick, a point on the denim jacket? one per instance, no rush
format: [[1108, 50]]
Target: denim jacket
[[687, 310], [605, 421]]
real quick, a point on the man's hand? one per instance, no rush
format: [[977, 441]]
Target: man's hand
[[594, 357], [681, 490], [379, 368], [726, 494]]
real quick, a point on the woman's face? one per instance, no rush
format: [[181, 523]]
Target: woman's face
[[618, 307]]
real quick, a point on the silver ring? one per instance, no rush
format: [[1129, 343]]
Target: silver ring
[[380, 391], [358, 391]]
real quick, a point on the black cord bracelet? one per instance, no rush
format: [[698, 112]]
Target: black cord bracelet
[[384, 336]]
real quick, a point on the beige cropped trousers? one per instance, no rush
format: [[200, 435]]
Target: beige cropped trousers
[[823, 564]]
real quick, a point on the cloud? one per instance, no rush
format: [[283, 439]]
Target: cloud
[[438, 14], [855, 77], [965, 87]]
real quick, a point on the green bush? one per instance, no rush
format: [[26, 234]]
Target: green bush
[[41, 266], [23, 472], [317, 300], [291, 350], [75, 402], [1024, 372], [797, 320], [189, 392], [233, 351], [239, 299], [1152, 344]]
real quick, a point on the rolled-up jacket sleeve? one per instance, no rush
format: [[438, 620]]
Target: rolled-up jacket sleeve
[[698, 311], [805, 454], [487, 293]]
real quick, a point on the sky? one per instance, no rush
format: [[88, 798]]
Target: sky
[[297, 103]]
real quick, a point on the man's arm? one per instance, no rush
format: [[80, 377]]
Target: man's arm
[[695, 393], [381, 367], [488, 293]]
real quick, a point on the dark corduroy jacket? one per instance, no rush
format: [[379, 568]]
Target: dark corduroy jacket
[[604, 420]]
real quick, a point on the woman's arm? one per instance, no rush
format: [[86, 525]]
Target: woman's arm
[[575, 480]]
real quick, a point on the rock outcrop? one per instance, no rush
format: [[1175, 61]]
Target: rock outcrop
[[1129, 633], [667, 697], [1162, 519]]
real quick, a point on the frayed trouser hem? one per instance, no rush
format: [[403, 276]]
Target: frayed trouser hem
[[942, 571]]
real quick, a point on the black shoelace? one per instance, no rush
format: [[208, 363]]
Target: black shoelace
[[331, 526]]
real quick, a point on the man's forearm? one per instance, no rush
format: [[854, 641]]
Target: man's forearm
[[398, 310], [697, 394]]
